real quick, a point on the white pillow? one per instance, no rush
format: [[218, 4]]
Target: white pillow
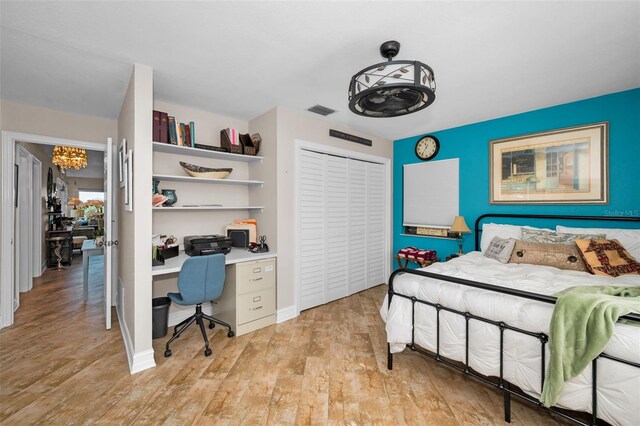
[[629, 238], [491, 230]]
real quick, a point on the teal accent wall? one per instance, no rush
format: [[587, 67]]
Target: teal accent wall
[[470, 143]]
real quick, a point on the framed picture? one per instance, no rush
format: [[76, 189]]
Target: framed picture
[[128, 187], [122, 152], [564, 166]]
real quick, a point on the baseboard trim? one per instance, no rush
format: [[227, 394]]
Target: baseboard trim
[[43, 267], [137, 361], [285, 314]]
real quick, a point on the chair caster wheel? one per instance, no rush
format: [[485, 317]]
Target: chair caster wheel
[[231, 334], [211, 325], [207, 352], [167, 353]]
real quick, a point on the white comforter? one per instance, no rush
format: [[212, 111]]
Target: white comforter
[[618, 384]]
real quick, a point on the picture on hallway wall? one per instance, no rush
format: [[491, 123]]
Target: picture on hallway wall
[[128, 181], [564, 166], [122, 152]]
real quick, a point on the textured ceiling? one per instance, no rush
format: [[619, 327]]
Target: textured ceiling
[[241, 59]]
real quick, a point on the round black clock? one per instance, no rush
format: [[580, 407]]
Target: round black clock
[[427, 147]]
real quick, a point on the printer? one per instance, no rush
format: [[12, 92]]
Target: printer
[[202, 245]]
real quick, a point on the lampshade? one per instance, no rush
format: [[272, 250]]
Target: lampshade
[[392, 88], [67, 157], [460, 226]]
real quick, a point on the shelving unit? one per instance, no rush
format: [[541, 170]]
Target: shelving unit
[[190, 179], [197, 152]]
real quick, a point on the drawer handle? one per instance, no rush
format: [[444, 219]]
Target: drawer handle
[[257, 299], [257, 270], [256, 279], [256, 308]]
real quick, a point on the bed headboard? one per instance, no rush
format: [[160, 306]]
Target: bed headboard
[[478, 228]]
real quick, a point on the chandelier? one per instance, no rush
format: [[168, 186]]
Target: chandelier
[[67, 157], [392, 88]]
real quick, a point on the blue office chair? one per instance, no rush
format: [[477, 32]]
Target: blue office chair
[[201, 279]]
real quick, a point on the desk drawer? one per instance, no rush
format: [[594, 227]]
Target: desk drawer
[[256, 305], [256, 275]]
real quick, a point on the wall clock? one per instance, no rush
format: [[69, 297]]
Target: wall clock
[[427, 147]]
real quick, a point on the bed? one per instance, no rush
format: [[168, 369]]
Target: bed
[[490, 321]]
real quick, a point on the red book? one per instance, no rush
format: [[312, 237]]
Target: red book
[[156, 126], [164, 127], [187, 138]]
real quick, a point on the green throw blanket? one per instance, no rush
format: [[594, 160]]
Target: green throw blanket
[[581, 326]]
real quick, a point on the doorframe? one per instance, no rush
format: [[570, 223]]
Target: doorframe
[[24, 226], [36, 187], [7, 211], [300, 145]]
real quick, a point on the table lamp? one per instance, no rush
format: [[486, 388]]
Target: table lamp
[[459, 227]]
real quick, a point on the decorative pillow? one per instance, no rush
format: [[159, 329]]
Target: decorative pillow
[[629, 238], [607, 257], [490, 230], [500, 249], [550, 237], [561, 256]]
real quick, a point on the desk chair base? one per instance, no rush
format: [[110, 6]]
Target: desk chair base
[[199, 318]]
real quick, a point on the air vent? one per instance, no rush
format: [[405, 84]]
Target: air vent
[[322, 110]]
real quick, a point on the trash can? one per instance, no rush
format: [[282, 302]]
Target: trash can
[[160, 316]]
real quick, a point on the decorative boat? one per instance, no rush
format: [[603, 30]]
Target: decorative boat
[[205, 172]]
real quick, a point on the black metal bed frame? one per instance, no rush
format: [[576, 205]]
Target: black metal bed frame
[[502, 384]]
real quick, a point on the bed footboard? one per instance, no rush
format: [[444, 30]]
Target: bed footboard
[[507, 389]]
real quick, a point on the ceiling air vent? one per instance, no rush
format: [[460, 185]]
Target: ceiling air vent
[[322, 110]]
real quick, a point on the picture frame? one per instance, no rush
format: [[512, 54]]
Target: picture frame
[[563, 166], [122, 152], [128, 187]]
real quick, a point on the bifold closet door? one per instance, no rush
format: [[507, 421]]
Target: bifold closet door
[[376, 218], [341, 208], [357, 185], [311, 211], [336, 227]]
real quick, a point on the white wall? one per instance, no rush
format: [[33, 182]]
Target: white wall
[[134, 250]]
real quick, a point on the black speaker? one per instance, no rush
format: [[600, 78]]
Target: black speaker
[[239, 237]]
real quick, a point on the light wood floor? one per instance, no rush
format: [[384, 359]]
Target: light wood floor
[[59, 366]]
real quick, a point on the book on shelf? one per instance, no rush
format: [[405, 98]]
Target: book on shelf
[[156, 126], [164, 128], [183, 132], [210, 147], [187, 137], [173, 136], [192, 129]]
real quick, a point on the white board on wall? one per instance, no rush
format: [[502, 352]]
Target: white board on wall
[[431, 193]]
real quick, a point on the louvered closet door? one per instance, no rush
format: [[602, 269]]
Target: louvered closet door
[[336, 230], [376, 218], [357, 226], [311, 200]]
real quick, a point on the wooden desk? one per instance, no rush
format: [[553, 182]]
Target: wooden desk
[[88, 249]]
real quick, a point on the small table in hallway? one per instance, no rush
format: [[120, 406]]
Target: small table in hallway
[[88, 249]]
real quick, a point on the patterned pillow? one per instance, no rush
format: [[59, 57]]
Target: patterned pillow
[[607, 257], [500, 249], [550, 237], [561, 256]]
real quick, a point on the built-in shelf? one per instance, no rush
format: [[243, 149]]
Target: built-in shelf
[[191, 179], [197, 152], [430, 236], [181, 208]]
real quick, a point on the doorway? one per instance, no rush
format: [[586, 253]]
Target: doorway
[[19, 232]]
